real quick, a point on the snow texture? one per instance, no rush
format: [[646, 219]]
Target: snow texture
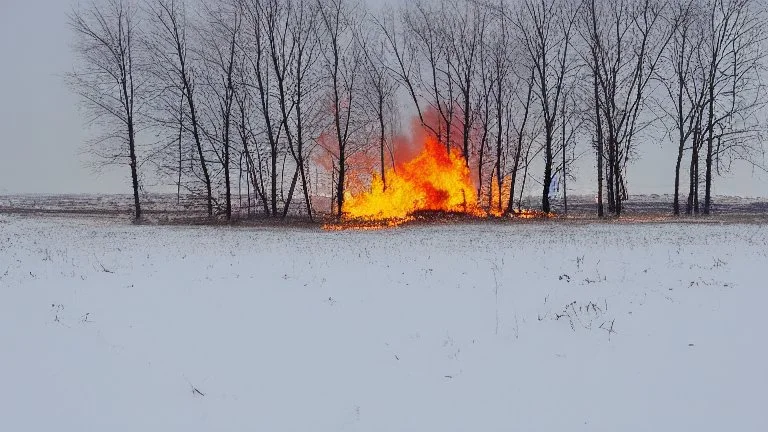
[[106, 326]]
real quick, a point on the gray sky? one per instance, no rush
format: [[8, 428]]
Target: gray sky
[[42, 132]]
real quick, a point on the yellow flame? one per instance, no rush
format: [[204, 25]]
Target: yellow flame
[[434, 180]]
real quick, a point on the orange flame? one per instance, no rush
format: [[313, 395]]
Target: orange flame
[[433, 180]]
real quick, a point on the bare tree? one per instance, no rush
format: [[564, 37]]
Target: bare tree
[[109, 79], [483, 116], [219, 52], [714, 91], [499, 57], [266, 33], [343, 58], [170, 44], [524, 139], [251, 152], [378, 86], [545, 28], [626, 40], [733, 44], [427, 39], [292, 37], [467, 22], [683, 85], [404, 66]]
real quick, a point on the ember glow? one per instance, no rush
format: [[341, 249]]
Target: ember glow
[[433, 180]]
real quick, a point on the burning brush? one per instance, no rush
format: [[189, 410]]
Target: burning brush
[[434, 185]]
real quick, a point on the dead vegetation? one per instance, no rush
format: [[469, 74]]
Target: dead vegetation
[[166, 210]]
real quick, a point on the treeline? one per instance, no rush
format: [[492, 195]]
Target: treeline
[[286, 96]]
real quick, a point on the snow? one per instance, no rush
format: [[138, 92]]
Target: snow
[[534, 326]]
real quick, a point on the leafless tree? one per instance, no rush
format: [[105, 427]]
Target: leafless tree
[[482, 116], [343, 61], [251, 151], [223, 24], [625, 40], [379, 88], [178, 69], [427, 38], [466, 28], [292, 35], [522, 128], [109, 81], [545, 29], [267, 34], [499, 56], [713, 87], [404, 64], [682, 80], [733, 57]]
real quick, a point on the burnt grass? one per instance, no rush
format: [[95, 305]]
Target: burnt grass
[[162, 209]]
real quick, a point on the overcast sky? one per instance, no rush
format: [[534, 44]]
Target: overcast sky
[[42, 132]]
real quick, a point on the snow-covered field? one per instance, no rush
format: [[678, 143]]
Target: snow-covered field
[[106, 326]]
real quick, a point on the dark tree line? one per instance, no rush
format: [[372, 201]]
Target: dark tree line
[[286, 97]]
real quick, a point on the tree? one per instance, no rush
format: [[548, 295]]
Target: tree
[[343, 59], [177, 70], [465, 35], [733, 45], [220, 51], [521, 128], [426, 40], [109, 80], [714, 91], [378, 86], [499, 56], [292, 35], [545, 28], [264, 27], [625, 41], [683, 85]]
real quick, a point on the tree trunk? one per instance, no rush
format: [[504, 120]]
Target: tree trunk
[[609, 178], [465, 137], [227, 181], [692, 177], [599, 151], [340, 184], [520, 134], [134, 169], [525, 177], [696, 185], [382, 140], [710, 138], [515, 168], [499, 141], [181, 131], [290, 193], [680, 149], [565, 172], [199, 145], [619, 182], [545, 206], [273, 195]]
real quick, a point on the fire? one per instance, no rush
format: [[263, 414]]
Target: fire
[[433, 180], [498, 199]]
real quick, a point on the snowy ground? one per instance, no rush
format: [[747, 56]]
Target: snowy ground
[[106, 326]]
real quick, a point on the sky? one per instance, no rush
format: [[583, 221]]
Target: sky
[[42, 132]]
